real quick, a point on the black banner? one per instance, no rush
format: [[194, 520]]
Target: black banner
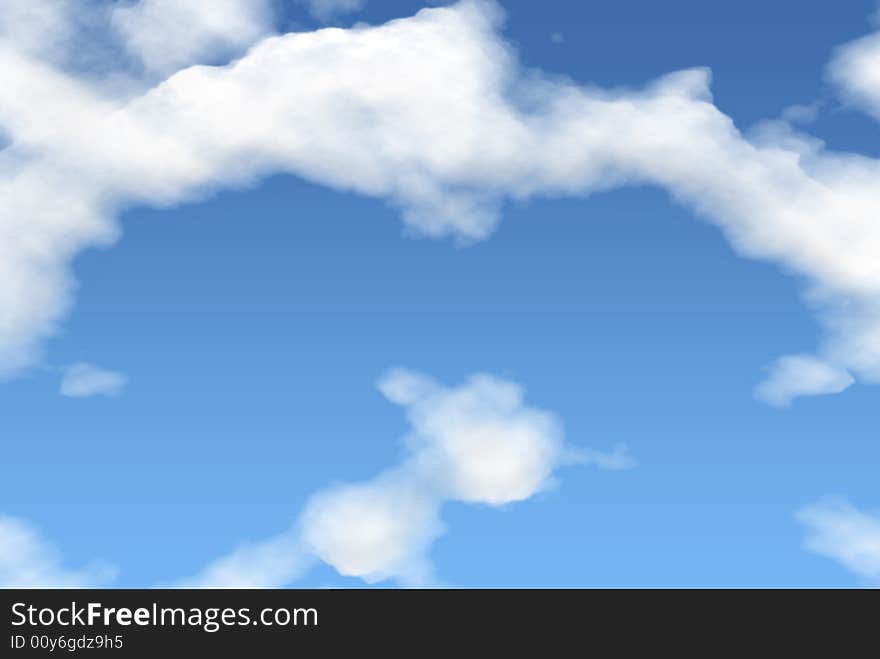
[[157, 623]]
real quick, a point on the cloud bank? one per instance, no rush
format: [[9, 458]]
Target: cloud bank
[[432, 113], [477, 443], [27, 560], [841, 532]]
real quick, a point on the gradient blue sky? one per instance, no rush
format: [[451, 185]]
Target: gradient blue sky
[[253, 325]]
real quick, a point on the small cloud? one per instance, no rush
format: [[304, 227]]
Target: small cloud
[[327, 10], [617, 459], [267, 564], [557, 38], [27, 560], [376, 530], [801, 375], [841, 532], [405, 387], [803, 113], [83, 380], [855, 70]]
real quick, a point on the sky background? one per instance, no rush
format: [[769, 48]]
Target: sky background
[[253, 326]]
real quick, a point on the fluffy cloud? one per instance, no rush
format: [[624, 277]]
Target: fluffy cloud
[[839, 531], [28, 561], [478, 443], [82, 380], [377, 530], [166, 35], [433, 114], [856, 70], [38, 28]]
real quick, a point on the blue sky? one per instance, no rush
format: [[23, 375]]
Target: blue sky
[[249, 327]]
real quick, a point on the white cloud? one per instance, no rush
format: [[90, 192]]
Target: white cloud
[[378, 530], [477, 443], [82, 380], [29, 561], [801, 375], [167, 35], [37, 28], [839, 531], [433, 114], [855, 68], [326, 10], [277, 561]]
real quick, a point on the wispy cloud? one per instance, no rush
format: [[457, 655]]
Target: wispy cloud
[[27, 560], [83, 380], [326, 10], [801, 375], [478, 443], [268, 564], [841, 532], [617, 459]]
